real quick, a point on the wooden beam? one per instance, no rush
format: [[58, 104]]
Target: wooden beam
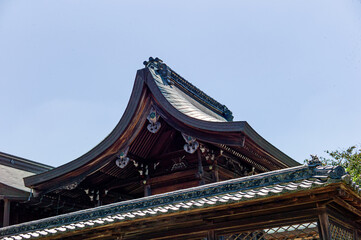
[[200, 167], [6, 219], [174, 187], [175, 176], [119, 183], [348, 206], [324, 223], [226, 174], [170, 155]]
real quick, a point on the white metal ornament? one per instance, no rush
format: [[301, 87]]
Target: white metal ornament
[[191, 144], [153, 118], [122, 160]]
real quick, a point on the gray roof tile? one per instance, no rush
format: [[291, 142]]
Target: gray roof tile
[[235, 190]]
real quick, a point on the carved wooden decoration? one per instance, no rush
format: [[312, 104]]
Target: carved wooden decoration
[[208, 154], [179, 164]]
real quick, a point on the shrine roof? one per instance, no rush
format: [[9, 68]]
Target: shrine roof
[[182, 105], [13, 177], [23, 164], [186, 97], [271, 184], [12, 171]]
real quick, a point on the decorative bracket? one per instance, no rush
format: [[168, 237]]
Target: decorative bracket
[[122, 160], [72, 185], [208, 154], [191, 144], [143, 170], [153, 118]]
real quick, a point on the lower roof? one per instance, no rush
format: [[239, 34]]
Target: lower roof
[[13, 170], [23, 164], [280, 182], [13, 177]]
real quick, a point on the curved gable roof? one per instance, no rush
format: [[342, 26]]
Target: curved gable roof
[[121, 127], [182, 105]]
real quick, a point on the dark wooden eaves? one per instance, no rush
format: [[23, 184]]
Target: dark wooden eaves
[[181, 122], [122, 125]]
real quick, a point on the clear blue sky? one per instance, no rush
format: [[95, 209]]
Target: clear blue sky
[[292, 69]]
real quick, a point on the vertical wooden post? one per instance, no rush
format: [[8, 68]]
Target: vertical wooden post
[[100, 197], [147, 188], [211, 235], [6, 220], [355, 234], [58, 204], [324, 224], [216, 172], [200, 167]]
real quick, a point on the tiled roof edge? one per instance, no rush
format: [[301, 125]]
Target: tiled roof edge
[[171, 77], [347, 179], [245, 183]]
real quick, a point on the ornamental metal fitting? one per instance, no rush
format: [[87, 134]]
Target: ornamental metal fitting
[[122, 160], [153, 118], [191, 144], [143, 170], [159, 67]]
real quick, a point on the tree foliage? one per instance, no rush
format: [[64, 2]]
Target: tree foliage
[[350, 159]]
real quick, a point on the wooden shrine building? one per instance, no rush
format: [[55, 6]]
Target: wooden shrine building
[[13, 194], [177, 166]]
